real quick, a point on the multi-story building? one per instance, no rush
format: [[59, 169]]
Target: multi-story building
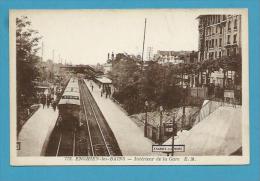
[[219, 35]]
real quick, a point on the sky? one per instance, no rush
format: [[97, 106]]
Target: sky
[[87, 36]]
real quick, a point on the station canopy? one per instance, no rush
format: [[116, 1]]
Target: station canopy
[[104, 80]]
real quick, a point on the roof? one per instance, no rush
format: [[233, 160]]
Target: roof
[[204, 15], [69, 93], [73, 83], [219, 134], [69, 101], [104, 80], [42, 87], [71, 89]]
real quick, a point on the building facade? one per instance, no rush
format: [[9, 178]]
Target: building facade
[[175, 57], [219, 35], [107, 67]]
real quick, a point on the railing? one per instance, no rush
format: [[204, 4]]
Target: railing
[[25, 115], [119, 105], [205, 111]]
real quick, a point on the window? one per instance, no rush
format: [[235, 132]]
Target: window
[[211, 55], [212, 44], [235, 51], [220, 42], [219, 54], [216, 54], [224, 17], [228, 39], [217, 29], [229, 25], [70, 97], [220, 30], [235, 39], [216, 42], [218, 18], [228, 52], [235, 24], [207, 44]]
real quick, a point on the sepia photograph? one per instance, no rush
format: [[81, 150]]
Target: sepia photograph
[[129, 87]]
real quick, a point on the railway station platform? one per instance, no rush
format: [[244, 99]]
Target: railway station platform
[[35, 133], [129, 136]]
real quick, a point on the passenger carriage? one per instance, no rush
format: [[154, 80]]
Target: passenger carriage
[[69, 105]]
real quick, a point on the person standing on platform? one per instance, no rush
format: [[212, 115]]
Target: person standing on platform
[[43, 101], [106, 91], [48, 102], [54, 105], [109, 91]]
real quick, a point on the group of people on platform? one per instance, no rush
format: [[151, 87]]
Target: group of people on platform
[[48, 100], [106, 89]]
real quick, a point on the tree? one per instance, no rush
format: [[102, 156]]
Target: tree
[[155, 83], [126, 76], [27, 41]]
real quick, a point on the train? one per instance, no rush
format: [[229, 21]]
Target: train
[[69, 105]]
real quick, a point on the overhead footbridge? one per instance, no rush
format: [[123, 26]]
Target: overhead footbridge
[[83, 69]]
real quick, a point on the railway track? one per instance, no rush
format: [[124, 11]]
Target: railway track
[[101, 141], [93, 138], [67, 143]]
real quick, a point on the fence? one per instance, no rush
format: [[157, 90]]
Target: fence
[[152, 132], [182, 123], [233, 96], [201, 92], [208, 108], [119, 105]]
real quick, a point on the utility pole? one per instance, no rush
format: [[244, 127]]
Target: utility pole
[[42, 51], [146, 104], [173, 133], [144, 40], [53, 51], [51, 71], [149, 53], [160, 127]]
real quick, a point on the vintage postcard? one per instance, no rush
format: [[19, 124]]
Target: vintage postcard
[[129, 87]]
